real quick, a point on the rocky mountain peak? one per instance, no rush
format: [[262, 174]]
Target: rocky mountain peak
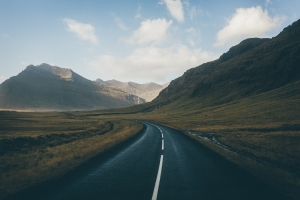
[[46, 87], [147, 91], [98, 80], [63, 73]]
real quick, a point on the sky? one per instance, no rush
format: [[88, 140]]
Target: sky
[[137, 40]]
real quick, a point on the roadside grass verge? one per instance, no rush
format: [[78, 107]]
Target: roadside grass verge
[[275, 167], [262, 132], [36, 147]]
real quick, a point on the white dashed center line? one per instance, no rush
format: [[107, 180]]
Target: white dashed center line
[[155, 192]]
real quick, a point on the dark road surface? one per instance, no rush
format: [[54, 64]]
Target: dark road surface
[[160, 163]]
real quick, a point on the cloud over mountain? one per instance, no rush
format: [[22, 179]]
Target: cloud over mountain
[[150, 63], [151, 31], [247, 22], [81, 30]]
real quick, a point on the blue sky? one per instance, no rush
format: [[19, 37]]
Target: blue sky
[[135, 40]]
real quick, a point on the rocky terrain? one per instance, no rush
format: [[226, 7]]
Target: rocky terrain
[[46, 87], [147, 91]]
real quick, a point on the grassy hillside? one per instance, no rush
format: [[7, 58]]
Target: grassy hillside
[[245, 106], [260, 133], [37, 147], [242, 72]]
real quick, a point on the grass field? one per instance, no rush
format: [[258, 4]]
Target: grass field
[[35, 147], [262, 131], [261, 134]]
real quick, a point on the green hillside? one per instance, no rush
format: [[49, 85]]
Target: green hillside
[[245, 106], [262, 66]]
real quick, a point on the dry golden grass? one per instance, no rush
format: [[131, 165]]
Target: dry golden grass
[[278, 178], [262, 131], [274, 155], [47, 145]]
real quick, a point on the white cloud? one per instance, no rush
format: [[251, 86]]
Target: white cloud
[[82, 31], [193, 12], [186, 3], [151, 31], [175, 8], [245, 23], [120, 24], [138, 14], [191, 30], [2, 79], [268, 2], [191, 42], [193, 36], [151, 63]]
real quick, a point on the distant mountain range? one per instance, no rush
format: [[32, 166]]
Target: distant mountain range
[[253, 67], [147, 91], [46, 87]]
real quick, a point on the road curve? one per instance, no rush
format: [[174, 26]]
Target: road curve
[[161, 163]]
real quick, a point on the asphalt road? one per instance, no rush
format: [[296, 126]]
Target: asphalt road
[[160, 163]]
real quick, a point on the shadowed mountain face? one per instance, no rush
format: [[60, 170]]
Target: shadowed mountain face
[[147, 91], [252, 67], [46, 87]]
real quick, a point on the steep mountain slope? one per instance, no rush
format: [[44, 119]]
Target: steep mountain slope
[[46, 87], [254, 66], [146, 91], [244, 106]]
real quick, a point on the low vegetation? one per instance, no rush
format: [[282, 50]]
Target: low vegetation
[[260, 133], [35, 147], [245, 106], [270, 156], [263, 128]]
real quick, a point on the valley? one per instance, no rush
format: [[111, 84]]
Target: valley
[[147, 91], [243, 106]]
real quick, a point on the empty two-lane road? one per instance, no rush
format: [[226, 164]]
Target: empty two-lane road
[[160, 163]]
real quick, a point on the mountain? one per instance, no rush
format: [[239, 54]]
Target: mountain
[[46, 87], [146, 91], [250, 68], [246, 102], [152, 94]]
